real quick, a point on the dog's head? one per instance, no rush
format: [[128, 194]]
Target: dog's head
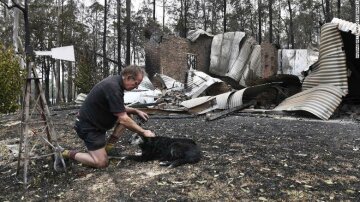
[[136, 139]]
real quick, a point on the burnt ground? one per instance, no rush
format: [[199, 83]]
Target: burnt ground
[[245, 157]]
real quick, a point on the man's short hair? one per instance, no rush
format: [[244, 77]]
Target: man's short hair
[[133, 70]]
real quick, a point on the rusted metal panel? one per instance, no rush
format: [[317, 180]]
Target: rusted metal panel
[[321, 101], [331, 67]]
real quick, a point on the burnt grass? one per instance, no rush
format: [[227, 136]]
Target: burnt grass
[[246, 157]]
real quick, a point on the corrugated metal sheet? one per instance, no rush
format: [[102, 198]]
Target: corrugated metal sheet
[[146, 84], [346, 26], [236, 98], [294, 61], [235, 56], [331, 67], [194, 34], [224, 50], [169, 82], [198, 82], [321, 101], [200, 105], [252, 68], [237, 66]]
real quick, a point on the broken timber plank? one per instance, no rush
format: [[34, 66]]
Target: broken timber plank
[[213, 116]]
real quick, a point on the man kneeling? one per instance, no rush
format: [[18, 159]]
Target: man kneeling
[[102, 109]]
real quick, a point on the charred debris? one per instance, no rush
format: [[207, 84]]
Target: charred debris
[[225, 73]]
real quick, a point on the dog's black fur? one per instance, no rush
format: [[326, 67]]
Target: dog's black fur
[[170, 152]]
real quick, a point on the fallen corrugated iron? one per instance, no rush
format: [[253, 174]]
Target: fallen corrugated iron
[[295, 61], [168, 82], [235, 56], [198, 82], [237, 98], [326, 84], [321, 101], [225, 101], [331, 67], [194, 34], [146, 84], [141, 96], [200, 105], [346, 26]]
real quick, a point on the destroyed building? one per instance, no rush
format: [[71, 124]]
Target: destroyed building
[[262, 72]]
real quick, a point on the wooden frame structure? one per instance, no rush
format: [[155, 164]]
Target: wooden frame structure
[[35, 122]]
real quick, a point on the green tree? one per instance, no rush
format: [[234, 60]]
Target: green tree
[[85, 76], [11, 79]]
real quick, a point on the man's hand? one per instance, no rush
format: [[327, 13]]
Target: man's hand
[[142, 114], [148, 133]]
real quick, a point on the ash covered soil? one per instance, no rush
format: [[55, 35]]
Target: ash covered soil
[[245, 157]]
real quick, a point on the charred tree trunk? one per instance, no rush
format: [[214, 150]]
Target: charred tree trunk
[[154, 7], [58, 68], [326, 10], [259, 20], [70, 83], [46, 79], [291, 28], [224, 16], [163, 17], [63, 81], [204, 14], [118, 7], [128, 34], [186, 9], [270, 21], [105, 62]]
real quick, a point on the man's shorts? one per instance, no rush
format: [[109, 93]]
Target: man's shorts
[[93, 137]]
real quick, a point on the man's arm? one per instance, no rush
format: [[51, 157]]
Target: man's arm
[[130, 124], [140, 113]]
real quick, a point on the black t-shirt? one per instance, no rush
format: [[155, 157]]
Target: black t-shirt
[[105, 99]]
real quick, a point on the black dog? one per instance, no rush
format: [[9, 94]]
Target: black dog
[[170, 152]]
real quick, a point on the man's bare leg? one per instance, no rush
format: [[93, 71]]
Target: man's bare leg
[[97, 158]]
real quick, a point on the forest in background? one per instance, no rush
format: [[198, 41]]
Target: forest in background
[[110, 36]]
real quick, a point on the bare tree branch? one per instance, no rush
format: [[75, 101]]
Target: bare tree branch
[[14, 5]]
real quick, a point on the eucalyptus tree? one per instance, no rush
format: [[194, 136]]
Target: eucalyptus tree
[[260, 7], [128, 31], [270, 4], [291, 24], [242, 18], [119, 33], [94, 19], [106, 68], [11, 77], [44, 37]]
